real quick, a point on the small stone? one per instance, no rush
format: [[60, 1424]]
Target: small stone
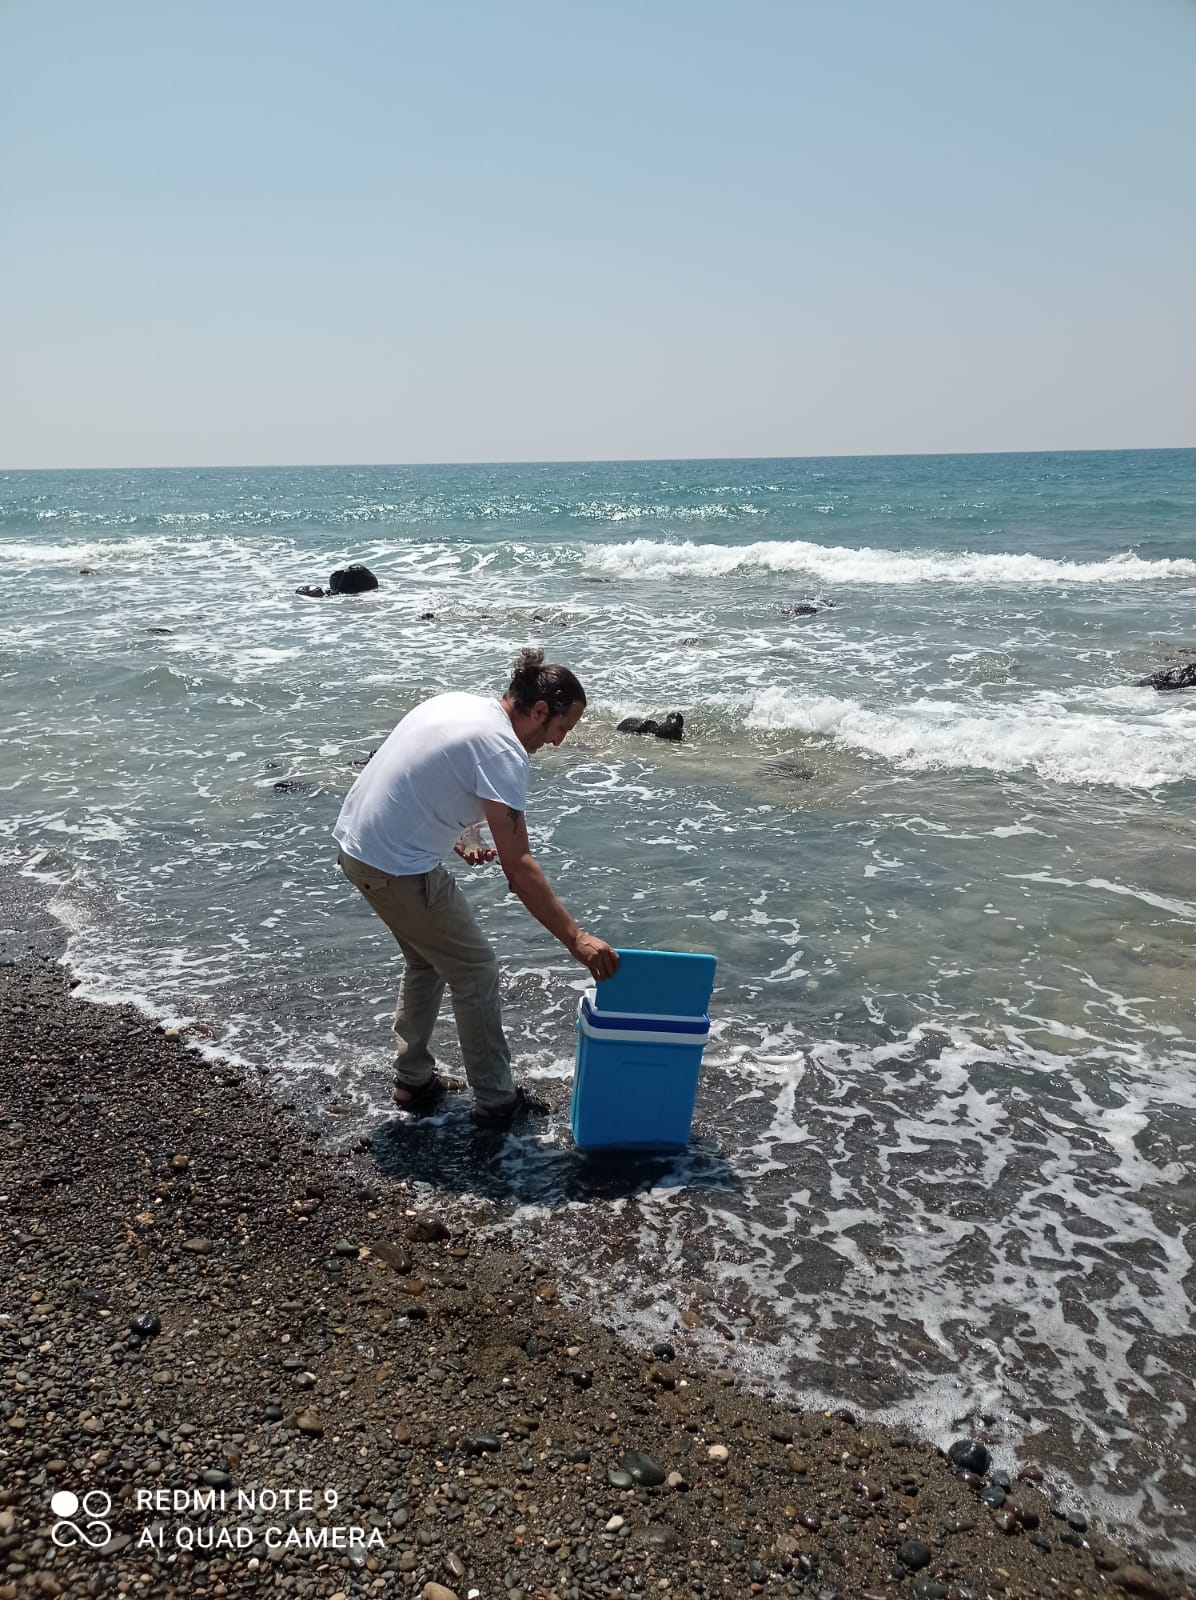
[[1136, 1580], [618, 1478], [957, 1525], [642, 1469], [1078, 1521], [718, 1452], [145, 1324], [426, 1230], [477, 1444], [215, 1479], [993, 1496], [394, 1256], [1007, 1522], [614, 1524], [308, 1422], [928, 1588], [676, 1481], [912, 1553], [437, 1591], [971, 1455], [344, 1247], [198, 1247]]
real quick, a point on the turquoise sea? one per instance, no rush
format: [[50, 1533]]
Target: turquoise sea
[[942, 845]]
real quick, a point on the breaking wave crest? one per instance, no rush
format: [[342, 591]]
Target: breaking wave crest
[[648, 558], [1045, 736]]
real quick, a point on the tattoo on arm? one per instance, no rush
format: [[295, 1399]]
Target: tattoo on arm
[[515, 816]]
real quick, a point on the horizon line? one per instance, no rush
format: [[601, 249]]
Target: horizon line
[[606, 461]]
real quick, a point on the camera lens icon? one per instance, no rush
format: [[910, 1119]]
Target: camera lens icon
[[94, 1506]]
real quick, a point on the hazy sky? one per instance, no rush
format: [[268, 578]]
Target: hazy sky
[[365, 230]]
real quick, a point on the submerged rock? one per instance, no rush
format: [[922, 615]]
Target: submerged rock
[[312, 591], [670, 727], [1182, 676], [353, 579]]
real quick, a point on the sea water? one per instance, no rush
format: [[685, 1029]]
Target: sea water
[[942, 844]]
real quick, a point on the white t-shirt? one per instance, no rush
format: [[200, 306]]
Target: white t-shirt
[[428, 780]]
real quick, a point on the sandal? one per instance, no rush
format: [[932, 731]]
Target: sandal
[[422, 1097], [521, 1103]]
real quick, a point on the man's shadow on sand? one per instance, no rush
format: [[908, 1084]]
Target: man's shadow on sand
[[535, 1162]]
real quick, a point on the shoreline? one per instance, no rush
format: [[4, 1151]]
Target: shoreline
[[321, 1332]]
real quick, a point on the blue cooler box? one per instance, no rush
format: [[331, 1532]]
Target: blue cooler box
[[638, 1063]]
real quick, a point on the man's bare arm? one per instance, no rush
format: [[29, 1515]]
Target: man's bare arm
[[508, 829]]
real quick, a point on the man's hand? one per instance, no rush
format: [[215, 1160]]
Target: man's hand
[[476, 858], [595, 954]]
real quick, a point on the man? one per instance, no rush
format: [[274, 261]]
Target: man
[[454, 760]]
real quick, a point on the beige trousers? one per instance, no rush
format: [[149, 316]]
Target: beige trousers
[[442, 945]]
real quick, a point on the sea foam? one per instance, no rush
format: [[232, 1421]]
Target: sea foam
[[1044, 734], [649, 558]]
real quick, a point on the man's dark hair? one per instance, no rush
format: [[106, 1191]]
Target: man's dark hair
[[531, 681]]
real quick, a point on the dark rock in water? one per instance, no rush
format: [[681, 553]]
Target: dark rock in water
[[993, 1496], [1180, 677], [353, 579], [312, 591], [804, 610], [427, 616], [293, 786], [365, 760], [159, 630], [88, 572], [912, 1553], [969, 1454], [670, 728]]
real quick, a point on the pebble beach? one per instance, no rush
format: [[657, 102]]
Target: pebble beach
[[284, 1373]]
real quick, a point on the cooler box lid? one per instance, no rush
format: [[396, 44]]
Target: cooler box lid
[[658, 983]]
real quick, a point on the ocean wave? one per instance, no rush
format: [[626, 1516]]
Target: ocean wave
[[71, 554], [1045, 735], [647, 558]]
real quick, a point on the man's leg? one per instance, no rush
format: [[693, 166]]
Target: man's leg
[[401, 902], [431, 918], [421, 989], [461, 954]]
